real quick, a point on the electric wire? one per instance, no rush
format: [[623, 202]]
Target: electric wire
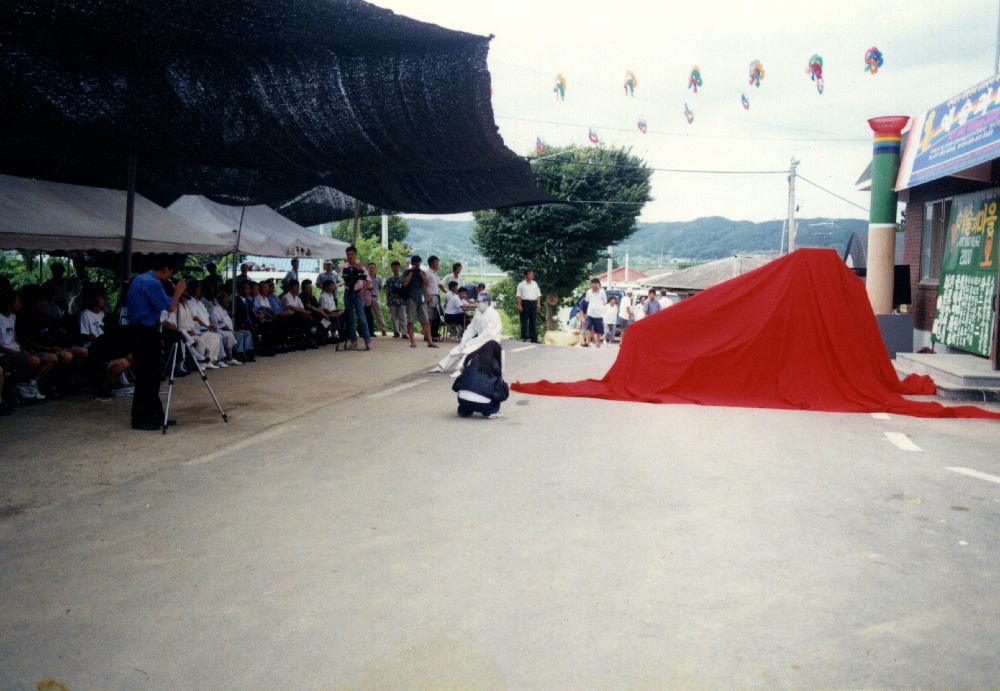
[[830, 192]]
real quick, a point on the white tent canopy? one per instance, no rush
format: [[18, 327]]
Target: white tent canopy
[[56, 217], [265, 232]]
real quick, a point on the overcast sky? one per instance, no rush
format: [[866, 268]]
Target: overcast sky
[[932, 50]]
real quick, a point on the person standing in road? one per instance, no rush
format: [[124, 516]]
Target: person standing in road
[[432, 298], [625, 314], [376, 306], [146, 300], [652, 304], [355, 283], [529, 302], [596, 302], [414, 286], [395, 297]]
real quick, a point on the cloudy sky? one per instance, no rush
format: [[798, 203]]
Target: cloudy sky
[[932, 51]]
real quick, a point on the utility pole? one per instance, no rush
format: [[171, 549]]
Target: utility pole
[[611, 265], [385, 231], [626, 267], [996, 59], [791, 205], [784, 227]]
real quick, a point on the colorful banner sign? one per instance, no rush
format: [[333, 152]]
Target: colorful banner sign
[[954, 136], [965, 313]]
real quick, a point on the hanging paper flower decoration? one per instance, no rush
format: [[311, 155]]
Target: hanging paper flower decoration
[[630, 83], [694, 81], [592, 136], [745, 101], [642, 125], [688, 113], [873, 60], [560, 87], [756, 73], [540, 145], [815, 71]]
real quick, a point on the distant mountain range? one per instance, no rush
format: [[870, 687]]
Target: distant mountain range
[[702, 239]]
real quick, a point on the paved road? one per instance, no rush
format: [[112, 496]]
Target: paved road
[[380, 541]]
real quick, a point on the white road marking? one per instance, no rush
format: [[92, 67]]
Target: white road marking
[[901, 441], [523, 348], [881, 416], [249, 441], [976, 474], [397, 389]]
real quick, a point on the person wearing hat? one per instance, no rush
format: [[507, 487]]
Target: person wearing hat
[[484, 327]]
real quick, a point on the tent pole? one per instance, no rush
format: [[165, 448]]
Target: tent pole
[[129, 223], [357, 221], [236, 259]]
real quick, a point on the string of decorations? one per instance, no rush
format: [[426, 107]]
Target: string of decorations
[[873, 62]]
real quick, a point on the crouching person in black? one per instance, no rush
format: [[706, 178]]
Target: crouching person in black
[[481, 387]]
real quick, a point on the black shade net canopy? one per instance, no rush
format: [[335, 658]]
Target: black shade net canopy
[[304, 105]]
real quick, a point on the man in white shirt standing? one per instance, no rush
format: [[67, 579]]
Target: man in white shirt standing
[[529, 302], [625, 310], [432, 299], [596, 302]]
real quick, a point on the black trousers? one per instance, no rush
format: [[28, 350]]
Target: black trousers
[[529, 320], [146, 366], [467, 408]]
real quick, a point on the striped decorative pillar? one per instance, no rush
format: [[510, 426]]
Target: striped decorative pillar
[[882, 217]]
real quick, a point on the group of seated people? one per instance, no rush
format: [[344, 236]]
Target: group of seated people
[[54, 340]]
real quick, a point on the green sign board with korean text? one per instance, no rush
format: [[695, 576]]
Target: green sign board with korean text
[[965, 312]]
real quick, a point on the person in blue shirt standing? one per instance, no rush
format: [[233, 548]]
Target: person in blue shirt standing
[[146, 301]]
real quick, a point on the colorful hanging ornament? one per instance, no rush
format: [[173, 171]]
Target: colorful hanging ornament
[[688, 113], [694, 81], [815, 71], [756, 73], [560, 87], [642, 125], [745, 101], [873, 60], [592, 136], [540, 145], [630, 83]]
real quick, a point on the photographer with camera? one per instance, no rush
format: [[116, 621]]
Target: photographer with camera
[[356, 282], [146, 300]]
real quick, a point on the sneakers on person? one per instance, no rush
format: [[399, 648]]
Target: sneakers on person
[[210, 365], [233, 362], [494, 416], [435, 369], [38, 393], [221, 364], [25, 391]]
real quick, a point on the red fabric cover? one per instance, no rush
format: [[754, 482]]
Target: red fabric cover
[[798, 332]]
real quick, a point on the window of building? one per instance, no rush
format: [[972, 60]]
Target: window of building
[[935, 232]]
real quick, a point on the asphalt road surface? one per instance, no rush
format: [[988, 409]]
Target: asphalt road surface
[[368, 537]]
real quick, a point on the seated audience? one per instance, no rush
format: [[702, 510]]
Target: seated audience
[[194, 323], [106, 362], [23, 366], [237, 342]]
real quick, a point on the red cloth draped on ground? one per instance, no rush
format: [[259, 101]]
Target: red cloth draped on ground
[[796, 333]]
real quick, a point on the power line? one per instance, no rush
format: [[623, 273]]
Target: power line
[[666, 133], [831, 193]]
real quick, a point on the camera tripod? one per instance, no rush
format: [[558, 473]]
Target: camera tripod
[[174, 350]]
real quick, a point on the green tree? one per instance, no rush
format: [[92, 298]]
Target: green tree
[[604, 189], [371, 227]]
